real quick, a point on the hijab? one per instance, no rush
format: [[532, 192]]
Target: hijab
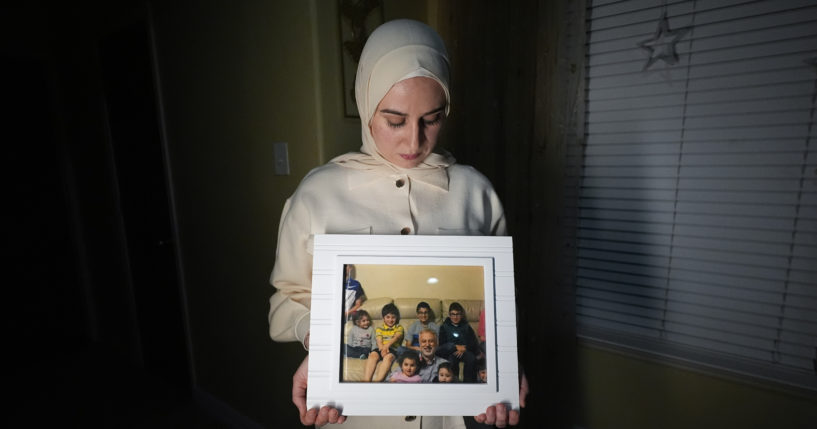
[[398, 50]]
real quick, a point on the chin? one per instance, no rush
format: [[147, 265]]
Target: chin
[[406, 163]]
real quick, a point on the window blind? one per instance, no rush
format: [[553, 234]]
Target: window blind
[[696, 217]]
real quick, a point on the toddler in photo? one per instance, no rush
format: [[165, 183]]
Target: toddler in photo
[[444, 373], [360, 340], [482, 371], [408, 369]]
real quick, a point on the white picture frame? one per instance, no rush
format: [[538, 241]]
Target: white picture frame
[[492, 255]]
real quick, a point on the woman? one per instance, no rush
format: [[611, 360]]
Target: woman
[[395, 185]]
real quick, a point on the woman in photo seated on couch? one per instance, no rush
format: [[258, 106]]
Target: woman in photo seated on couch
[[388, 338], [458, 342]]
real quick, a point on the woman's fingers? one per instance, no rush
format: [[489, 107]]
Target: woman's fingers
[[490, 415], [323, 416], [299, 388], [501, 416], [308, 418], [524, 388], [328, 414], [498, 415], [513, 418], [334, 415]]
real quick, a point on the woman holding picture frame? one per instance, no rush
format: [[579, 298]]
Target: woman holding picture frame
[[396, 184]]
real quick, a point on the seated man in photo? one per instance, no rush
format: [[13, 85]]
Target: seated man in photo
[[429, 361]]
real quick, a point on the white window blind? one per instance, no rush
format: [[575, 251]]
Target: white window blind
[[697, 205]]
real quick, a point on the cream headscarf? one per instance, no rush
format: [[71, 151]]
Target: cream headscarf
[[396, 51]]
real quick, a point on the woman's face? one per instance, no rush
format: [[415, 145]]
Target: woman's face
[[408, 121]]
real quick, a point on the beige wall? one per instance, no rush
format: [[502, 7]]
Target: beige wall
[[237, 77], [620, 391], [339, 134], [411, 281]]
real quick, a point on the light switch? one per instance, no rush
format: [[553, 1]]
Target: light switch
[[281, 158]]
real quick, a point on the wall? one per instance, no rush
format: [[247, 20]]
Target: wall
[[339, 133], [235, 78], [627, 391], [408, 281]]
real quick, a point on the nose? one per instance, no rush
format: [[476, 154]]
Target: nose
[[417, 137]]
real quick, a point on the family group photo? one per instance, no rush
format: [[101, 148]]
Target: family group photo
[[413, 324]]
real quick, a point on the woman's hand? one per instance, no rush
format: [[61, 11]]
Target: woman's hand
[[500, 415], [313, 416]]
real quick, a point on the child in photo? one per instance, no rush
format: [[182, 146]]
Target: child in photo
[[444, 373], [482, 371], [424, 321], [388, 338], [458, 343], [360, 339], [408, 369], [353, 293]]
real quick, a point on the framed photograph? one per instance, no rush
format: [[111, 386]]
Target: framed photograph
[[413, 325]]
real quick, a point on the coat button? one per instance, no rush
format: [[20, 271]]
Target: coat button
[[405, 231], [411, 418], [399, 183]]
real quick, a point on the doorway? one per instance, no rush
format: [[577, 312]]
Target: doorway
[[130, 97]]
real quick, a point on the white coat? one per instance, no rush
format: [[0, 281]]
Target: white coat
[[333, 199]]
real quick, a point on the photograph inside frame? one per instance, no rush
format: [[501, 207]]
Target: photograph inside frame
[[413, 324]]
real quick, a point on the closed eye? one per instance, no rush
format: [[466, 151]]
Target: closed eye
[[434, 121]]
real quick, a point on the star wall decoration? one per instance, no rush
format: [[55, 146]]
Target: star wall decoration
[[662, 45]]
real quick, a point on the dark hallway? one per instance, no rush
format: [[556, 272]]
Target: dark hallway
[[95, 328], [89, 386]]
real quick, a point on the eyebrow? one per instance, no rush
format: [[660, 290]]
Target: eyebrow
[[395, 112]]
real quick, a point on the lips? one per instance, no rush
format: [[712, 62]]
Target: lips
[[410, 157]]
